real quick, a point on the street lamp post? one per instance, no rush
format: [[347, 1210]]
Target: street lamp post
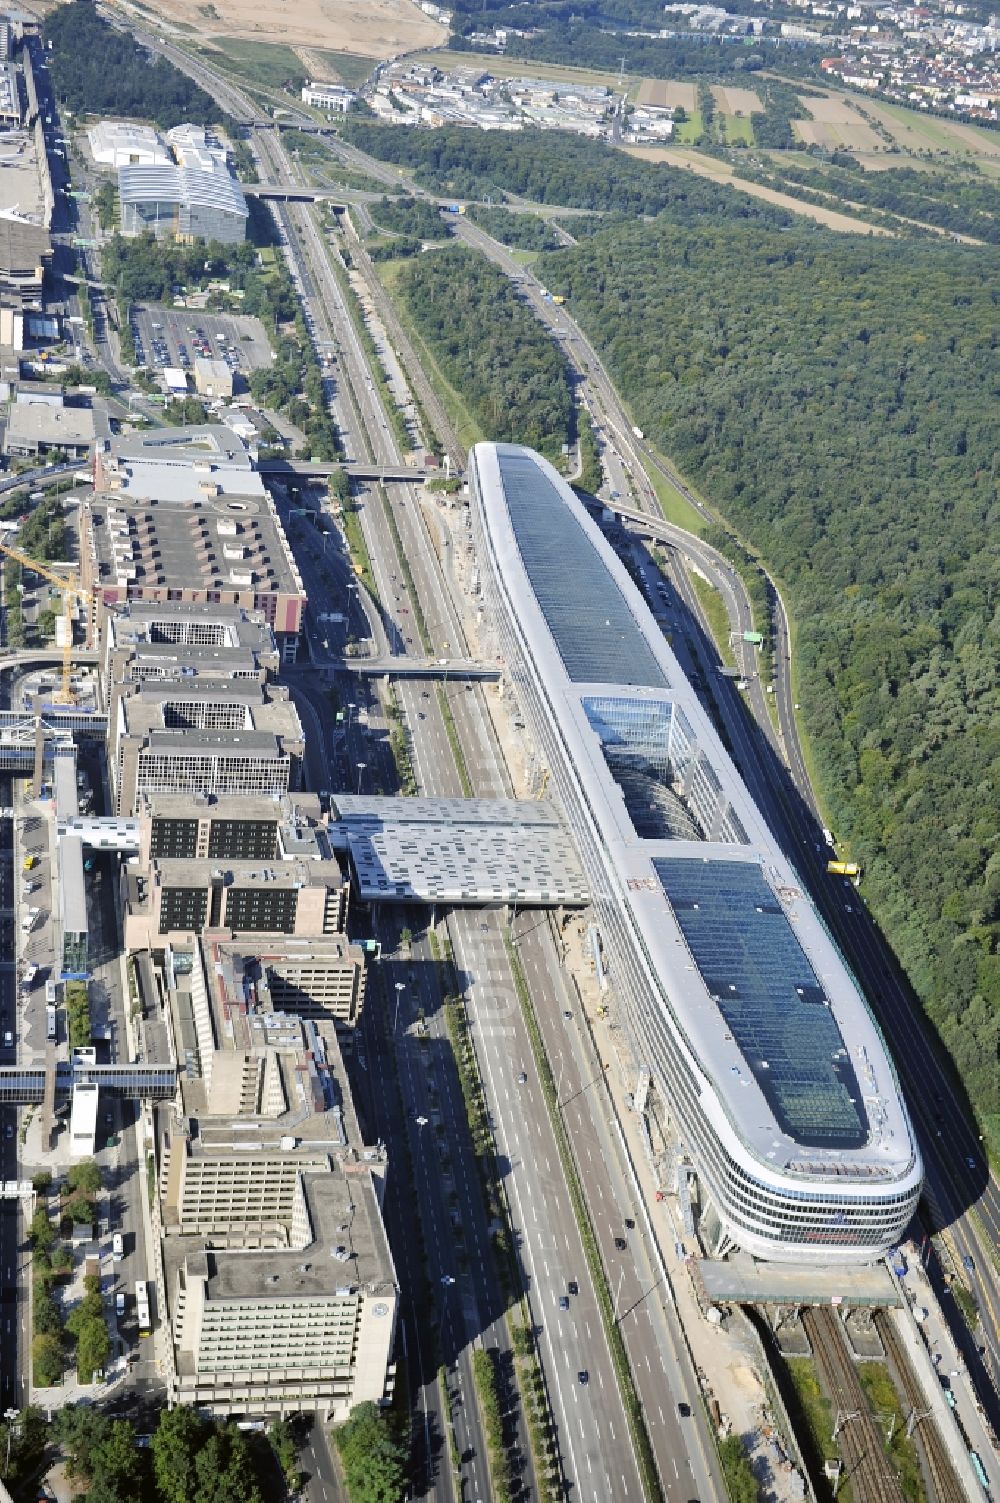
[[10, 1415], [400, 988], [361, 767]]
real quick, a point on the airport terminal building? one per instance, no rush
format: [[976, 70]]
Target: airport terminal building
[[793, 1137]]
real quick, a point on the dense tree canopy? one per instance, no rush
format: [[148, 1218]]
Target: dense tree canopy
[[490, 348], [522, 231], [97, 69], [409, 216], [553, 167], [836, 396]]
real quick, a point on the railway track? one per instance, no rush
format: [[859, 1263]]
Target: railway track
[[937, 1462], [859, 1437]]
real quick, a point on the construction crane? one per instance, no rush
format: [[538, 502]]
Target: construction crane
[[71, 590]]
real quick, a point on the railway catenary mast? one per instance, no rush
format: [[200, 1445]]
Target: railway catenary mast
[[790, 1126]]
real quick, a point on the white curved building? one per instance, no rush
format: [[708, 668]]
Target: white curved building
[[735, 997]]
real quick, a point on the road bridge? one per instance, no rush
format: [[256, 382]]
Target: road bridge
[[433, 668], [308, 469]]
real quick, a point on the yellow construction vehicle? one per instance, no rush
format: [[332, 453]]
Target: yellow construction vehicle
[[71, 589]]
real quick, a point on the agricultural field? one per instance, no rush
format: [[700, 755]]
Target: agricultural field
[[366, 28], [664, 94], [721, 172], [836, 125], [730, 101], [917, 132]]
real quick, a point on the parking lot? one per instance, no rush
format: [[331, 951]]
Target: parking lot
[[177, 336]]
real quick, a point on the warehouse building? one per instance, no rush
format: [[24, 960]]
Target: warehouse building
[[33, 427], [212, 378], [120, 143], [183, 203]]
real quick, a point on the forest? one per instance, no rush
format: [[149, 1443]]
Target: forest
[[411, 216], [960, 200], [552, 167], [490, 348], [99, 70], [836, 397]]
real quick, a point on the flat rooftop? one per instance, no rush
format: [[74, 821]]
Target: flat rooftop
[[41, 423], [348, 1250], [459, 851], [178, 871], [72, 885], [184, 534], [182, 628], [740, 1280]]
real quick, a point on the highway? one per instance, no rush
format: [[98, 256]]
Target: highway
[[957, 1176]]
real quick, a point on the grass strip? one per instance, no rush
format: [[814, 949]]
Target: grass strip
[[532, 1393], [715, 613], [350, 521], [399, 745], [453, 742], [360, 324], [404, 565], [488, 1393], [619, 1356]]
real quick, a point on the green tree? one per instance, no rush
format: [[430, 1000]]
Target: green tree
[[179, 1436], [374, 1458], [85, 1176], [41, 1230], [47, 1360], [93, 1347]]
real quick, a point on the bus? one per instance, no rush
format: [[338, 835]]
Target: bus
[[50, 994], [50, 1022], [142, 1307]]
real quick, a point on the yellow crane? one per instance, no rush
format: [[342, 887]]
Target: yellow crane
[[72, 589]]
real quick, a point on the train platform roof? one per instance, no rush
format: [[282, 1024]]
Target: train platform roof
[[740, 1280]]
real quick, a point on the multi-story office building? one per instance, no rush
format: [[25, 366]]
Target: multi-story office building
[[220, 738], [146, 642], [180, 516], [307, 1327], [174, 899], [232, 829], [793, 1138]]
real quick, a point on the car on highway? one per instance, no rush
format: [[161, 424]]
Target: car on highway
[[573, 1287], [967, 1263], [683, 1409], [621, 1244], [583, 1376], [522, 1078], [567, 1014], [447, 1280], [563, 1302]]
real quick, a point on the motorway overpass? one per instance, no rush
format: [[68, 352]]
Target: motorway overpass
[[309, 469], [412, 667]]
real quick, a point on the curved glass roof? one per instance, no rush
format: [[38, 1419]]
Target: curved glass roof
[[757, 973], [594, 631]]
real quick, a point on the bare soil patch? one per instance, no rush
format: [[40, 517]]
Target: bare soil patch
[[664, 94], [853, 136], [373, 28], [737, 101], [720, 173]]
